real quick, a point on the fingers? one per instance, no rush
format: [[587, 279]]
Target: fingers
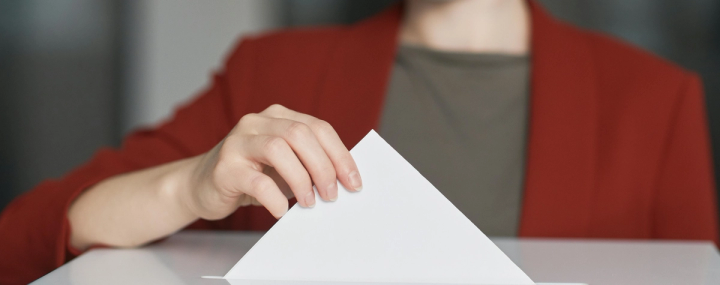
[[284, 187], [303, 142], [345, 167], [263, 189], [275, 151]]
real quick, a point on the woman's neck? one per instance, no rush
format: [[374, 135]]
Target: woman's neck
[[481, 26]]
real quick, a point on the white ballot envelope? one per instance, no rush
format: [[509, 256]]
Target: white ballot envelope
[[398, 229]]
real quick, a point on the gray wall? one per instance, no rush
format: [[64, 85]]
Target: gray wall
[[77, 74], [59, 87], [173, 46]]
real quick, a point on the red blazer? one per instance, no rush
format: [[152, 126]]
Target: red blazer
[[618, 144]]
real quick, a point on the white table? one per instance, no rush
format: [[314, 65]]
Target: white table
[[186, 256]]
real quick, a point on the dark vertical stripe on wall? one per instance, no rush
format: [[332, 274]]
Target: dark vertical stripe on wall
[[60, 88], [9, 22]]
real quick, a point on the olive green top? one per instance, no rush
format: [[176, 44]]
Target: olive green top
[[461, 120]]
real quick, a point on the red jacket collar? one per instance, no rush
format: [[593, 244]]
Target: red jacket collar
[[561, 141]]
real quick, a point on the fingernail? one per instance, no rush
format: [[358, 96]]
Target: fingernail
[[310, 199], [355, 181], [332, 191]]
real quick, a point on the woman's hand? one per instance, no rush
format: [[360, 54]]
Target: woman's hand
[[266, 159]]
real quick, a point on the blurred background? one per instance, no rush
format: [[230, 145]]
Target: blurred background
[[79, 74]]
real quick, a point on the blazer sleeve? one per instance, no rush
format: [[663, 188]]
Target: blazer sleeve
[[35, 226], [685, 205]]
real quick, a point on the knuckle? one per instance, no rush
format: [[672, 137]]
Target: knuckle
[[297, 130], [274, 144], [275, 109], [246, 120], [260, 184], [322, 127]]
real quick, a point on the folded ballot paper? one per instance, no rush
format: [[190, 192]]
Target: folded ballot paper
[[398, 229]]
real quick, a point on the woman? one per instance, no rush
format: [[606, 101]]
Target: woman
[[567, 134]]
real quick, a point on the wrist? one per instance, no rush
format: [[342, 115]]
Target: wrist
[[176, 185]]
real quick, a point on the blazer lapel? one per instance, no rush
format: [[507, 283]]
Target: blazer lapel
[[561, 146]]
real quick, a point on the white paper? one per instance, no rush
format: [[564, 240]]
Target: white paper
[[398, 229]]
